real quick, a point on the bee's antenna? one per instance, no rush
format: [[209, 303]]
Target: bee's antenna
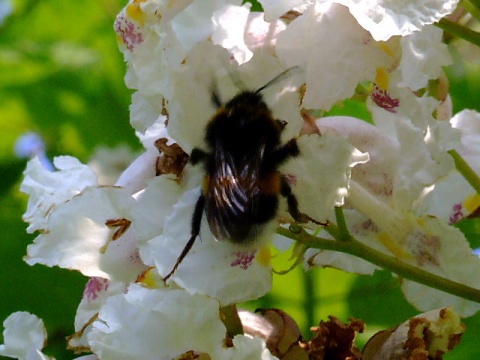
[[275, 79]]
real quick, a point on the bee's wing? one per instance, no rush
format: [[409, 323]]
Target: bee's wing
[[232, 194]]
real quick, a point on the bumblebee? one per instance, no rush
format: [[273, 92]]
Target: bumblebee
[[242, 185]]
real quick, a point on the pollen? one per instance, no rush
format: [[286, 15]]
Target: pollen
[[264, 256], [472, 203], [135, 12]]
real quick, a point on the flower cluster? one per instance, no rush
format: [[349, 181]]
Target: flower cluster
[[393, 177]]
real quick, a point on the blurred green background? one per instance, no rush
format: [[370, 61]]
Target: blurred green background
[[61, 76]]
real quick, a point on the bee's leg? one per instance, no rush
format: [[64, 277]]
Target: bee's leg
[[290, 149], [196, 221], [292, 202], [197, 155]]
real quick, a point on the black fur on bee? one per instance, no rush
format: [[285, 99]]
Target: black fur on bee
[[242, 184]]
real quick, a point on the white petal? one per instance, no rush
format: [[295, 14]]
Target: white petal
[[191, 108], [145, 110], [260, 34], [423, 55], [108, 163], [24, 337], [156, 324], [385, 19], [332, 71], [443, 250], [47, 189], [95, 294], [228, 273], [152, 207], [140, 171], [229, 28], [276, 8], [245, 348], [78, 233], [319, 175]]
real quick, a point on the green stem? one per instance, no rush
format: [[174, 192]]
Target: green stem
[[474, 3], [473, 7], [467, 172], [344, 234], [229, 316], [309, 302], [402, 269], [459, 30]]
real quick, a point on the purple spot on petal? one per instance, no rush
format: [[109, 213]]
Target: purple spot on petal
[[129, 32], [243, 259], [93, 287], [457, 214], [383, 99]]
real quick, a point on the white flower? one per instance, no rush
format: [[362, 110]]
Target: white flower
[[156, 324], [182, 54], [383, 196], [276, 8], [320, 175], [109, 163], [96, 292], [452, 198], [219, 269], [164, 324], [79, 236], [442, 250], [24, 337], [191, 108], [331, 71], [383, 19], [246, 348], [48, 189], [423, 55], [389, 18]]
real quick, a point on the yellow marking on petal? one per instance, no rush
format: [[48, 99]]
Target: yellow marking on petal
[[471, 203], [151, 279], [135, 12], [393, 246], [264, 255], [382, 79], [120, 40], [386, 49]]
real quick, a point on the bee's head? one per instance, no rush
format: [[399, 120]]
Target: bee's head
[[247, 104], [243, 125]]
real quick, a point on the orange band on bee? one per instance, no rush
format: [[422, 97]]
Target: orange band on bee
[[205, 184], [271, 183]]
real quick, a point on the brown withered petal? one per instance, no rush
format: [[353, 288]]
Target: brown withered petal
[[291, 15], [334, 340], [425, 337], [172, 159], [279, 331], [309, 126]]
